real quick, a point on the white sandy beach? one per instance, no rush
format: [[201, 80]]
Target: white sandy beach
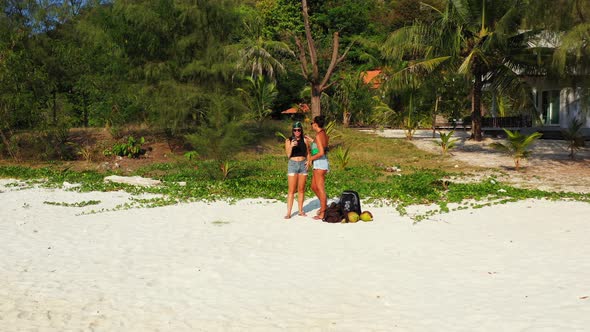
[[241, 267]]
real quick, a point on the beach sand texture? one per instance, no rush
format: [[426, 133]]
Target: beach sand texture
[[241, 267]]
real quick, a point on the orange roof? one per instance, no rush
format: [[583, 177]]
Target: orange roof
[[372, 77], [301, 108]]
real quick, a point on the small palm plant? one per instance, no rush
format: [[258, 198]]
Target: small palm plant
[[573, 136], [331, 131], [410, 127], [446, 141], [281, 135], [516, 145], [85, 152], [227, 167], [341, 157]]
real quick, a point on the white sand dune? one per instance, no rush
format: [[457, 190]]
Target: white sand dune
[[221, 267]]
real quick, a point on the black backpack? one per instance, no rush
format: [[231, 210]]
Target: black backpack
[[350, 201]]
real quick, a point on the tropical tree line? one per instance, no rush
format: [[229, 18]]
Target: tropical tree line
[[187, 66]]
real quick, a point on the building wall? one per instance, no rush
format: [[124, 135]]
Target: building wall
[[573, 106], [573, 103]]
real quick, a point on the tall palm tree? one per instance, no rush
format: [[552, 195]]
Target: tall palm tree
[[408, 82], [260, 56], [476, 38]]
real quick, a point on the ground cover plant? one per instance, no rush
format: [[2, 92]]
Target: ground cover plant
[[424, 178]]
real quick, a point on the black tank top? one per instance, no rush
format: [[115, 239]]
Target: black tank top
[[299, 150]]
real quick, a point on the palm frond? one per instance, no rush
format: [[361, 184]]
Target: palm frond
[[574, 48]]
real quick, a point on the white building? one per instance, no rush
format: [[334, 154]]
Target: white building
[[559, 103]]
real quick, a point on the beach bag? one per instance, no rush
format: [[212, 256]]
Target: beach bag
[[333, 213], [350, 201]]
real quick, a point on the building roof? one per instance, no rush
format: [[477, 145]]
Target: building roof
[[301, 108], [372, 77]]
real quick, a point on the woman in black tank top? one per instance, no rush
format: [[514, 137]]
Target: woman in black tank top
[[297, 150]]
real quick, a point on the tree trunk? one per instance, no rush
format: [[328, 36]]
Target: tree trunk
[[346, 116], [310, 69], [8, 147], [54, 107], [85, 115], [434, 116], [316, 95], [476, 92]]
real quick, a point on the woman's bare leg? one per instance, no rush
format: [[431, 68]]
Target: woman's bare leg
[[319, 177], [292, 181], [314, 186], [301, 181]]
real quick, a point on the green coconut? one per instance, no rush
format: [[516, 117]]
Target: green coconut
[[366, 216], [352, 216]]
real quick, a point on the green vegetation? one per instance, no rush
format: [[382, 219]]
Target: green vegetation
[[423, 181], [517, 145], [265, 178], [76, 204], [446, 141], [115, 63], [573, 137], [341, 157], [131, 149], [207, 77]]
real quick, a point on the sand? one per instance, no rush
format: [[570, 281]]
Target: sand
[[549, 166], [241, 267]]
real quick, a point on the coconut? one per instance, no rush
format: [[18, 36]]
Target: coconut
[[366, 216], [352, 216]]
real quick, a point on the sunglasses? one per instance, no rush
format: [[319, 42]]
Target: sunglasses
[[296, 129]]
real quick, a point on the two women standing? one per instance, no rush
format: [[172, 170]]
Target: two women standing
[[303, 152]]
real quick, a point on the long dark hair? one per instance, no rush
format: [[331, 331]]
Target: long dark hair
[[320, 120]]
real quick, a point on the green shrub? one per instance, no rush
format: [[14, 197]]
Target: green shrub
[[131, 149]]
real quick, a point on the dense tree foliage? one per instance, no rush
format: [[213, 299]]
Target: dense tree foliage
[[167, 63]]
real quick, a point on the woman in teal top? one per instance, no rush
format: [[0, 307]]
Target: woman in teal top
[[319, 159]]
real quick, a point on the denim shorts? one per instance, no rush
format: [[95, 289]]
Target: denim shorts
[[321, 163], [296, 167]]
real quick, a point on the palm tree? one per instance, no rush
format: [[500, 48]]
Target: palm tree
[[260, 56], [569, 25], [477, 38], [516, 145], [258, 97], [409, 81], [573, 136]]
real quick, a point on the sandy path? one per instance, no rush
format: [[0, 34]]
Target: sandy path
[[219, 267], [548, 168]]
